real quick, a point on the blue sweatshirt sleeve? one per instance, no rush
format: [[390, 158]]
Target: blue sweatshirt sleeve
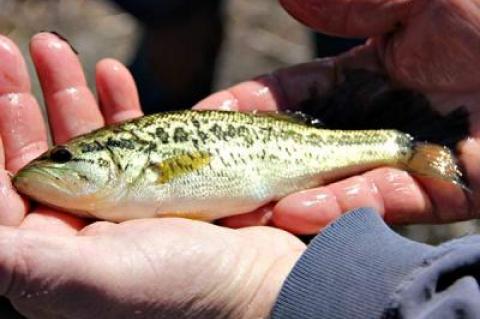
[[359, 268]]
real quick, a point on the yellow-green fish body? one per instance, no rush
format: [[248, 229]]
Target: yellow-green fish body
[[212, 164]]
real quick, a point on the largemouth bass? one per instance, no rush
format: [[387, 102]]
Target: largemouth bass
[[211, 164]]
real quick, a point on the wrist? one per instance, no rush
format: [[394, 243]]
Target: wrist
[[349, 270], [266, 295]]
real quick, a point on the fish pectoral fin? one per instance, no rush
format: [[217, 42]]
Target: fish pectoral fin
[[180, 165]]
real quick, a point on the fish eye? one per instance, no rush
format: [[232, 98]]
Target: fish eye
[[60, 155]]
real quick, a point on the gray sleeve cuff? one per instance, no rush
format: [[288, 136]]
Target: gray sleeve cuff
[[359, 268]]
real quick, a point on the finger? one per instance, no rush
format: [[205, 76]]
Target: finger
[[469, 157], [117, 92], [352, 18], [97, 228], [283, 89], [293, 87], [261, 94], [22, 130], [72, 108], [50, 221], [21, 124], [260, 217], [392, 192], [13, 206], [450, 202]]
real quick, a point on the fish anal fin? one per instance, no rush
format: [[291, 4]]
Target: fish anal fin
[[180, 165]]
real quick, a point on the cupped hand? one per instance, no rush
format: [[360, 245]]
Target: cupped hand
[[427, 46], [53, 265], [147, 268]]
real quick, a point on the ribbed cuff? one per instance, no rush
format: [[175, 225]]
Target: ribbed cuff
[[349, 270]]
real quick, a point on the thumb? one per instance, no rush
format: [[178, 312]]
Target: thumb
[[359, 18]]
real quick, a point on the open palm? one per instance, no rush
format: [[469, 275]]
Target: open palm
[[148, 268]]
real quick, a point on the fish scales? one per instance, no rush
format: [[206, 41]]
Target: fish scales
[[209, 164]]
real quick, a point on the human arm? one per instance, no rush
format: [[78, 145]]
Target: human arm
[[359, 268]]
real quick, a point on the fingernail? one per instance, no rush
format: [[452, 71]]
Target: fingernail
[[63, 38]]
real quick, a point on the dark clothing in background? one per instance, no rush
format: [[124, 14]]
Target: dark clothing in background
[[359, 268], [157, 13], [7, 311], [174, 66]]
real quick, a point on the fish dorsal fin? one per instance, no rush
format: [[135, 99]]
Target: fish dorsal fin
[[291, 116], [181, 164]]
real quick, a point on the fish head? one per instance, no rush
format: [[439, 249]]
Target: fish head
[[69, 177]]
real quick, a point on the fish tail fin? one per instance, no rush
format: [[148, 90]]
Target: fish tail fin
[[437, 162]]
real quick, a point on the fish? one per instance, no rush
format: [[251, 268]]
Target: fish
[[206, 165]]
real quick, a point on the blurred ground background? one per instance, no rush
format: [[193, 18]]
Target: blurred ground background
[[260, 37]]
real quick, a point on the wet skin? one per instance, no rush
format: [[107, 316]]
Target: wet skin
[[43, 250]]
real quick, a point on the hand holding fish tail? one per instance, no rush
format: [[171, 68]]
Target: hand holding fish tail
[[406, 47]]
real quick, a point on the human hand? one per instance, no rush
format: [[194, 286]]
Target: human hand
[[428, 46], [71, 106], [53, 265], [148, 268]]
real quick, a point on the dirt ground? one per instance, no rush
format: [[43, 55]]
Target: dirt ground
[[260, 37]]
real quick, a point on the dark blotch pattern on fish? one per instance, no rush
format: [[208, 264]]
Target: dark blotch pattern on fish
[[121, 143], [91, 147], [162, 135], [180, 135]]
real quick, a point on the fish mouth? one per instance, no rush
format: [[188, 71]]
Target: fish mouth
[[40, 184], [33, 175]]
